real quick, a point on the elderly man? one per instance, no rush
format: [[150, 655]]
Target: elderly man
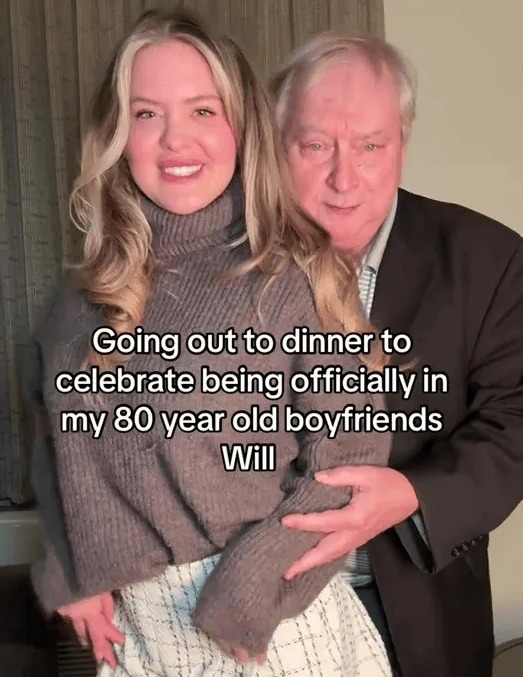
[[416, 533]]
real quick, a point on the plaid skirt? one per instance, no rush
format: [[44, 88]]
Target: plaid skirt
[[333, 637]]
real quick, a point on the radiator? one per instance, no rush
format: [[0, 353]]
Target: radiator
[[72, 660]]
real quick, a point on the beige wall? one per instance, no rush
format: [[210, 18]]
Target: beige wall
[[468, 148]]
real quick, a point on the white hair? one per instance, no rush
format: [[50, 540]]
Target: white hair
[[310, 60]]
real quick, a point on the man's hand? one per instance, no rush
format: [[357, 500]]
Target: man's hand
[[92, 620], [382, 497]]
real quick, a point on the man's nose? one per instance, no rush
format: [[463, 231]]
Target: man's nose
[[344, 175]]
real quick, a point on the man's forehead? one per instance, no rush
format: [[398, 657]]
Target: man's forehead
[[345, 68], [348, 88], [304, 126], [343, 80]]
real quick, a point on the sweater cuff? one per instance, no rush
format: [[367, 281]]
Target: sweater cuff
[[50, 584], [246, 597]]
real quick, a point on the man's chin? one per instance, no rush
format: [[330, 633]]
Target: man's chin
[[349, 239]]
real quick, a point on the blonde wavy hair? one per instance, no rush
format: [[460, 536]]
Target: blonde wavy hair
[[117, 264]]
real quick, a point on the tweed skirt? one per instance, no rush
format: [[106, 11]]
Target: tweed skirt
[[333, 637]]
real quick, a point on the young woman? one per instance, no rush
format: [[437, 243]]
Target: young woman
[[191, 235]]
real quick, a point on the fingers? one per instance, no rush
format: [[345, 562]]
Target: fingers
[[103, 650], [81, 631], [92, 621], [114, 635], [346, 476], [111, 631], [241, 655], [260, 658], [102, 635], [107, 604], [330, 548], [324, 522]]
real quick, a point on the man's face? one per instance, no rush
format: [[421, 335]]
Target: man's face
[[345, 151]]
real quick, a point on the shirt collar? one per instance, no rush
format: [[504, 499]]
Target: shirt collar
[[375, 250]]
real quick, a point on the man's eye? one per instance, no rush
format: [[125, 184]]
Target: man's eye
[[372, 147], [315, 146], [204, 112]]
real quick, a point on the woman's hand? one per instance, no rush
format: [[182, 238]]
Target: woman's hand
[[92, 621], [241, 656]]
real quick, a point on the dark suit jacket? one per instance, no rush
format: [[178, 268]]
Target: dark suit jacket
[[453, 280]]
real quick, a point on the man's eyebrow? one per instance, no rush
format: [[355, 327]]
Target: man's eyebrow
[[370, 135], [307, 129], [314, 128]]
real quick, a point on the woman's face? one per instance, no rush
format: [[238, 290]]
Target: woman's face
[[181, 149]]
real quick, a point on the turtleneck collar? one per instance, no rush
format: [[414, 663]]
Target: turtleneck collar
[[174, 234]]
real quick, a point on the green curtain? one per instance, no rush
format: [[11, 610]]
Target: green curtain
[[52, 54]]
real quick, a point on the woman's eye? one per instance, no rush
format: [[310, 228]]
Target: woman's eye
[[314, 146], [144, 114]]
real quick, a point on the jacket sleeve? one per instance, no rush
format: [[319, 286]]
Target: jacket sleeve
[[469, 483], [246, 597]]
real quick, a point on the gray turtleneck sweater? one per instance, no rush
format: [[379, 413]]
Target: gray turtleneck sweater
[[120, 508]]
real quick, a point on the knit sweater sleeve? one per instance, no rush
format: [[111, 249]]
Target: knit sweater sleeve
[[246, 597], [52, 572]]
